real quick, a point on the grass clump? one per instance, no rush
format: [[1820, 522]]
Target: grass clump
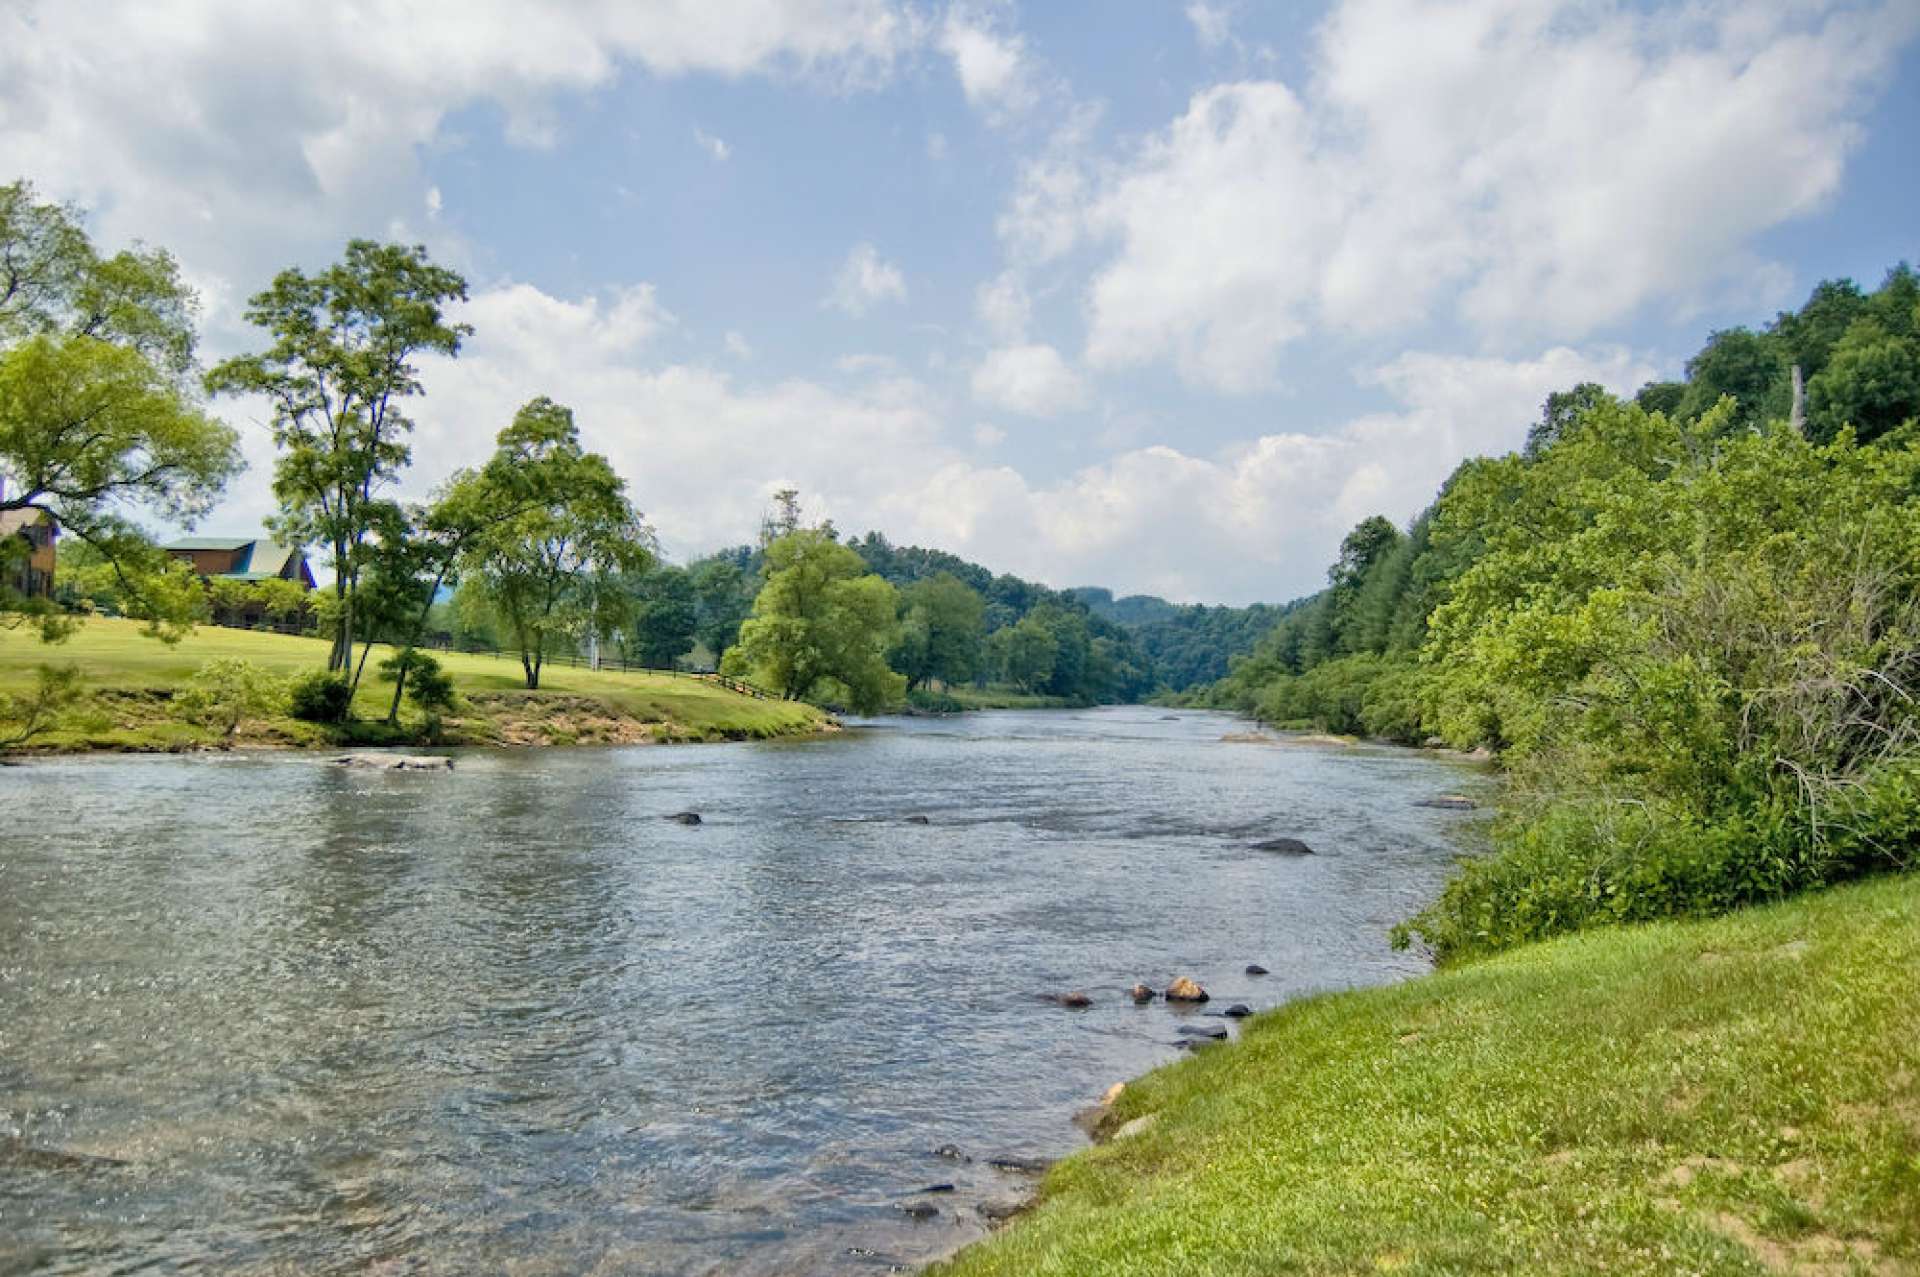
[[1735, 1096]]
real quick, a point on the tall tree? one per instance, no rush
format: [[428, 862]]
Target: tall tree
[[339, 370], [821, 625], [98, 415], [550, 570], [665, 616], [941, 633]]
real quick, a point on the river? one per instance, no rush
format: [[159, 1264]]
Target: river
[[511, 1019]]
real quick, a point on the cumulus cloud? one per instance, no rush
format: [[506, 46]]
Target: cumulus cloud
[[1533, 167], [864, 281], [996, 72], [1033, 380], [1212, 23], [703, 448], [241, 133], [1003, 307]]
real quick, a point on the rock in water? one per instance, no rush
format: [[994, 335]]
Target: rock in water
[[1214, 1031], [1238, 1011], [999, 1212], [918, 820], [1448, 802], [952, 1152], [397, 762], [1285, 846], [1185, 990], [1075, 999], [1025, 1165], [919, 1210], [685, 818], [1254, 968]]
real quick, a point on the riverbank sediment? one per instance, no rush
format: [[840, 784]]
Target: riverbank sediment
[[1733, 1096]]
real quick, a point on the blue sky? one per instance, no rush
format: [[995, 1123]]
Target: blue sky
[[1160, 296]]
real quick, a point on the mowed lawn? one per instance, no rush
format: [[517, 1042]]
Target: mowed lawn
[[115, 657], [1739, 1096]]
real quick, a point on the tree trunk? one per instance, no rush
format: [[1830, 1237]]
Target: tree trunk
[[1798, 419]]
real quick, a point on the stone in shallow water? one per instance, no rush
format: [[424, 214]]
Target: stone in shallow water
[[1000, 1211], [952, 1152], [685, 818], [1217, 1032], [396, 762], [1254, 968], [1142, 993], [1025, 1165], [1075, 999], [1238, 1011], [1285, 846], [919, 1210], [1185, 990]]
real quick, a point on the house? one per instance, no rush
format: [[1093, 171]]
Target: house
[[29, 574], [243, 560]]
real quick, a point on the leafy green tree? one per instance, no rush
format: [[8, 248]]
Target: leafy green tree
[[228, 690], [98, 419], [1661, 396], [723, 598], [1025, 653], [665, 616], [821, 625], [1872, 383], [1562, 412], [548, 571], [1748, 367], [941, 632], [337, 376]]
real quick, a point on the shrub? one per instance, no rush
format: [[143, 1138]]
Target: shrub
[[228, 690], [321, 697], [428, 686]]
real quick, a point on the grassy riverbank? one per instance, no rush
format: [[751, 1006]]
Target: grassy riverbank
[[1733, 1096], [130, 680]]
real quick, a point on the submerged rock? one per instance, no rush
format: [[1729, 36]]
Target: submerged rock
[[1448, 802], [918, 820], [1254, 968], [1238, 1011], [1000, 1212], [936, 1188], [919, 1210], [1285, 846], [952, 1152], [1185, 990], [1214, 1032], [1025, 1165], [1075, 999], [1142, 993], [396, 762], [685, 818]]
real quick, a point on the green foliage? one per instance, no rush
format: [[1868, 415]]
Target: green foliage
[[337, 375], [941, 632], [228, 690], [24, 716], [821, 626], [320, 696], [428, 686], [553, 570], [666, 616]]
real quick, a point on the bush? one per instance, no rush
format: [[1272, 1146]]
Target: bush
[[226, 691], [321, 697], [428, 686]]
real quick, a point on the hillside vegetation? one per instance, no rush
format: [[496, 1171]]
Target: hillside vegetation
[[1739, 1096], [1688, 623]]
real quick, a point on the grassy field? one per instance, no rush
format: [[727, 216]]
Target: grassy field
[[129, 680], [1735, 1096]]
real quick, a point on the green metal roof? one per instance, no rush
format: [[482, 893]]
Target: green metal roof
[[210, 543]]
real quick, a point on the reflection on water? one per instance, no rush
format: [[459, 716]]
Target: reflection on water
[[509, 1019]]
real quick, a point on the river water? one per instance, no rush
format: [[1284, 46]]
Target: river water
[[510, 1019]]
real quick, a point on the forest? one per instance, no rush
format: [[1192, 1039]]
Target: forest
[[1687, 623]]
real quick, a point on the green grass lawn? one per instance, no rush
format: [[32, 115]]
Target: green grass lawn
[[1734, 1096], [128, 676]]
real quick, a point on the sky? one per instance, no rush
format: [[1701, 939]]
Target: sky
[[1164, 297]]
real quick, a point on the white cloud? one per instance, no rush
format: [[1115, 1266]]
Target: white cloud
[[864, 281], [434, 202], [716, 147], [988, 435], [1003, 307], [996, 73], [243, 134], [1537, 167], [737, 345], [1212, 23], [1033, 380]]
